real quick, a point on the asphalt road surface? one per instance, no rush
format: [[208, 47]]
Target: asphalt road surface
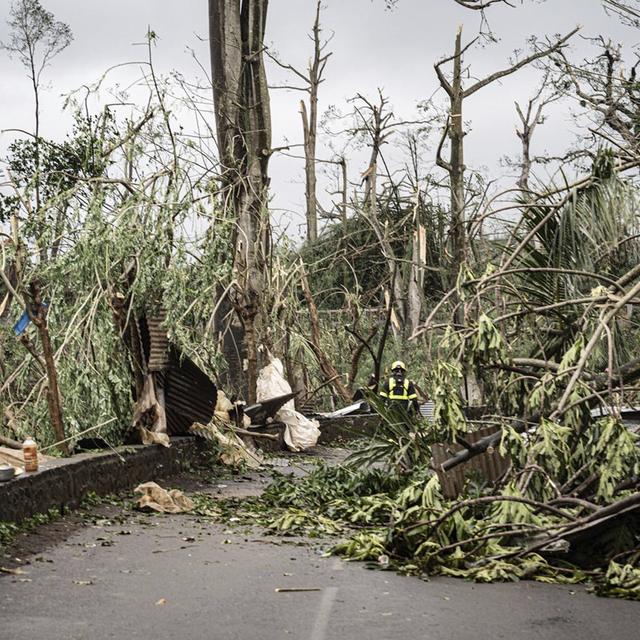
[[117, 574]]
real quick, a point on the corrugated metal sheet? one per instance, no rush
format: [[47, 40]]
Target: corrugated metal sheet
[[158, 355], [189, 395], [426, 410], [187, 392], [490, 465]]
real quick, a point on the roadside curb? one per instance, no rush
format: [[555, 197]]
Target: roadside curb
[[64, 482]]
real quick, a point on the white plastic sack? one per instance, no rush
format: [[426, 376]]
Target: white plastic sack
[[300, 432]]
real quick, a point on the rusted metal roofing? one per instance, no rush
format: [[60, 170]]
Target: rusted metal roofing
[[188, 393], [158, 358], [490, 464]]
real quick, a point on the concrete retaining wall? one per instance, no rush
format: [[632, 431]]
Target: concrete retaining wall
[[65, 482], [348, 427]]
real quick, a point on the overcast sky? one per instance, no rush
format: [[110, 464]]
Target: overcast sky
[[371, 48]]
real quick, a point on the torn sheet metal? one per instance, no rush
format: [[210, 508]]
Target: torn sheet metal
[[357, 407], [262, 411]]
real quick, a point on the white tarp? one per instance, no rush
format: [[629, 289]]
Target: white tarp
[[300, 432]]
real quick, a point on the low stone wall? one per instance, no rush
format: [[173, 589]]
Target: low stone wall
[[331, 430], [65, 482]]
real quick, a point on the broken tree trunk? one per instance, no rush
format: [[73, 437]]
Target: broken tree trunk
[[310, 125], [416, 279], [379, 130]]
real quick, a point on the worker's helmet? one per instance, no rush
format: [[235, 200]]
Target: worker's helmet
[[398, 364]]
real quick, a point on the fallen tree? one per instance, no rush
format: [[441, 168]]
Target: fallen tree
[[550, 335]]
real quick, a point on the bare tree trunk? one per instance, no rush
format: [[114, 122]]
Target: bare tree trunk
[[243, 123], [525, 162], [310, 125], [455, 131], [457, 168], [309, 132], [36, 96], [529, 120], [312, 79], [39, 319], [345, 187], [416, 279], [379, 132]]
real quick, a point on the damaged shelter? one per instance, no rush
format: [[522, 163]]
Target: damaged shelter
[[175, 397]]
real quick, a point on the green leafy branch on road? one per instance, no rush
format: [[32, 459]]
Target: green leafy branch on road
[[404, 522]]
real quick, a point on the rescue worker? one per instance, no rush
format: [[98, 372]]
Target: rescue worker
[[399, 389]]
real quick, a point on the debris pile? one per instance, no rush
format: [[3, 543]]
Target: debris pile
[[178, 398], [300, 432], [566, 510]]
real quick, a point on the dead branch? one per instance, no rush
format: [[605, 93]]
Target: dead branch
[[364, 344], [315, 342]]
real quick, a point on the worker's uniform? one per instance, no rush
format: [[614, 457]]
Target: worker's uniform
[[401, 392]]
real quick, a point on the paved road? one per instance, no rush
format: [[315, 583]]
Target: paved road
[[172, 577]]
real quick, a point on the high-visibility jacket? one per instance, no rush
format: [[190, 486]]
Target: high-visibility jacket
[[399, 390]]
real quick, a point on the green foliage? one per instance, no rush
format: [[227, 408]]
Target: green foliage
[[344, 260], [586, 234], [362, 546], [298, 522], [65, 170], [620, 581], [448, 416], [104, 254], [400, 439], [487, 344], [328, 483], [35, 36], [614, 449], [508, 512], [348, 259], [403, 521]]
